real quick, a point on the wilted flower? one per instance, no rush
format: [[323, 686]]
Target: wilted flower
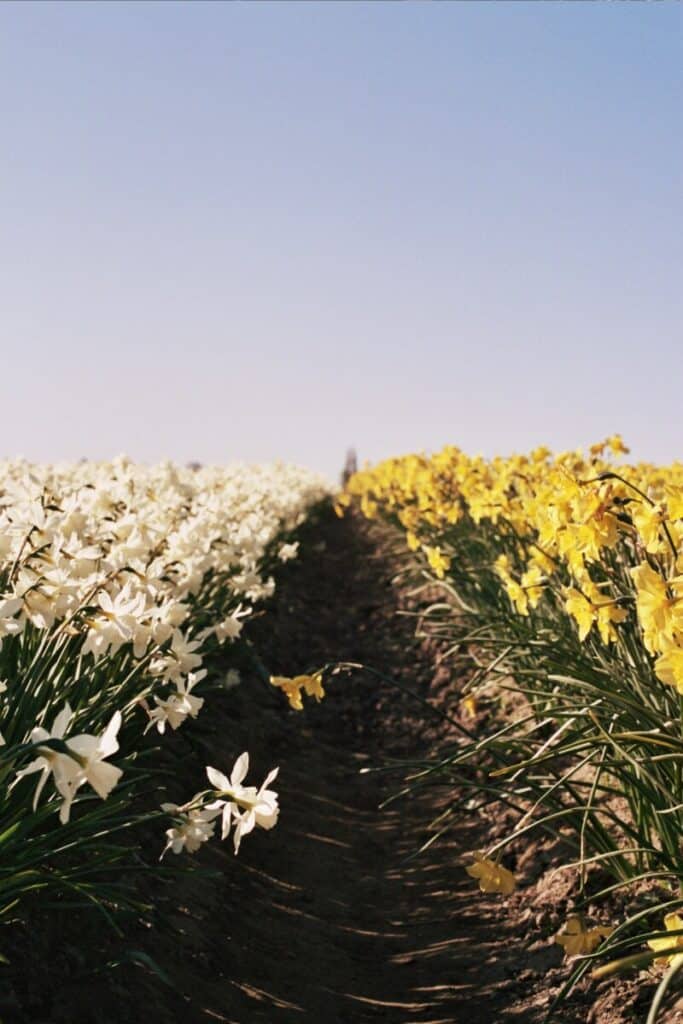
[[577, 940], [291, 689], [492, 877]]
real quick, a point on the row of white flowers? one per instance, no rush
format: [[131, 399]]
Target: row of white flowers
[[116, 581]]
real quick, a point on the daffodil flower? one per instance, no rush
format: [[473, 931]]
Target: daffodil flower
[[669, 665], [179, 706], [231, 627], [84, 763], [288, 551], [9, 606], [439, 562], [195, 827], [90, 765], [247, 806], [672, 922], [577, 940], [50, 761], [492, 877], [312, 685]]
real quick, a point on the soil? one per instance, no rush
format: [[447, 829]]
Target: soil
[[335, 916]]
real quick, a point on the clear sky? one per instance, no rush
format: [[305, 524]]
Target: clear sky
[[275, 230]]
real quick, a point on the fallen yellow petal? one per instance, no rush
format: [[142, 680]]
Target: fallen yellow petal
[[492, 877]]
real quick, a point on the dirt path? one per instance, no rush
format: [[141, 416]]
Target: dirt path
[[326, 918], [333, 927]]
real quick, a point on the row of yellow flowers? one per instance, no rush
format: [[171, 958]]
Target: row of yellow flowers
[[586, 553], [570, 509]]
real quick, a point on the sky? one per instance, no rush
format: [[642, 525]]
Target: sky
[[265, 231]]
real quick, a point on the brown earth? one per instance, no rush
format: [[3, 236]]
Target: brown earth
[[334, 916]]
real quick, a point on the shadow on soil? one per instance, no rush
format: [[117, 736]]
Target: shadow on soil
[[328, 918]]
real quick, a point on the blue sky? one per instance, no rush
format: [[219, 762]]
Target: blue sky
[[275, 230]]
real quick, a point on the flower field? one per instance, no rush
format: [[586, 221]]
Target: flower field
[[561, 576], [519, 697], [120, 586]]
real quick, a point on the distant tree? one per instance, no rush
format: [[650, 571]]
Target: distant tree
[[350, 466]]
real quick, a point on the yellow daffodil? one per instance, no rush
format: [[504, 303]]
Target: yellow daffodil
[[518, 596], [659, 612], [566, 511], [617, 446], [672, 922], [312, 685], [532, 584], [341, 503], [291, 689], [608, 612], [492, 877], [674, 501], [669, 665], [577, 940], [368, 507], [469, 705], [515, 591], [439, 562], [412, 540], [581, 610], [648, 520]]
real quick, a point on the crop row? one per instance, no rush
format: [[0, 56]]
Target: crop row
[[119, 586], [562, 577]]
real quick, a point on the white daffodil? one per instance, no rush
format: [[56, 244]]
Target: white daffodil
[[90, 765], [9, 606], [176, 708], [38, 606], [166, 617], [231, 627], [184, 651], [50, 761], [247, 806], [196, 827], [251, 584], [143, 565], [181, 658], [81, 558], [288, 551], [117, 624]]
